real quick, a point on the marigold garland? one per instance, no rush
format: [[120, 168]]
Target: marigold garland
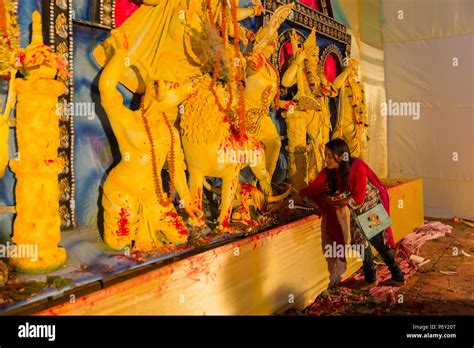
[[157, 176], [238, 76], [228, 110], [9, 36]]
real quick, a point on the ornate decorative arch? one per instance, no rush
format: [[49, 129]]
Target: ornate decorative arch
[[331, 49], [308, 18], [284, 37]]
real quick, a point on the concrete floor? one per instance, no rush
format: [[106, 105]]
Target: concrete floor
[[426, 292], [430, 292]]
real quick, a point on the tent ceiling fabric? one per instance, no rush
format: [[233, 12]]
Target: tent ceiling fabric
[[426, 19], [428, 46]]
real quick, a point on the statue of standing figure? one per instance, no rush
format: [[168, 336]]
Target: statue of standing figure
[[308, 113], [352, 110], [136, 209]]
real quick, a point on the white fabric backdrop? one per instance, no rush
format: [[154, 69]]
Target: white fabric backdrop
[[363, 20], [421, 50], [373, 79]]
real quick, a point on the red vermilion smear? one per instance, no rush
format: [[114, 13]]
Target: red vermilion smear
[[248, 188], [199, 202], [123, 223], [226, 222], [3, 19], [177, 222], [200, 267]]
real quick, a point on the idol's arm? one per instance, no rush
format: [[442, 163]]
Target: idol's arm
[[109, 79], [252, 11], [289, 79], [341, 78]]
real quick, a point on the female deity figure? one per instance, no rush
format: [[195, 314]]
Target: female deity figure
[[352, 111], [308, 113], [136, 210], [158, 34], [261, 89]]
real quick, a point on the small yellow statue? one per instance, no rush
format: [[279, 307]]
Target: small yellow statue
[[158, 33], [352, 110], [308, 113], [36, 166], [136, 210]]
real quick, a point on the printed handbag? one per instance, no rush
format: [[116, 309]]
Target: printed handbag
[[373, 221]]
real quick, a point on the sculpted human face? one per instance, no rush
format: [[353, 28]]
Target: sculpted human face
[[312, 59]]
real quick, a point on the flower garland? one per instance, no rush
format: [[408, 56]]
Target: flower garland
[[40, 56], [359, 109], [227, 110], [9, 36], [238, 76], [312, 77], [157, 176], [209, 11]]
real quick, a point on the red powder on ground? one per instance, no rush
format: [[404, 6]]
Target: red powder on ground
[[177, 222]]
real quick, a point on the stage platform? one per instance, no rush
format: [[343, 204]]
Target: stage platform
[[264, 273]]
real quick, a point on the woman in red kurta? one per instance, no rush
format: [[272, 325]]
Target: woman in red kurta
[[350, 182]]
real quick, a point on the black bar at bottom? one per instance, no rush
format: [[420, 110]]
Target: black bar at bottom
[[288, 330]]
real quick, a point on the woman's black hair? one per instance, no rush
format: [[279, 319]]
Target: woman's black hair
[[339, 148]]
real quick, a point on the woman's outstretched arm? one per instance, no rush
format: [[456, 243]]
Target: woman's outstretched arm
[[317, 187]]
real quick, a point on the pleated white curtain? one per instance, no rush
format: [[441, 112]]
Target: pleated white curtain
[[428, 48]]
